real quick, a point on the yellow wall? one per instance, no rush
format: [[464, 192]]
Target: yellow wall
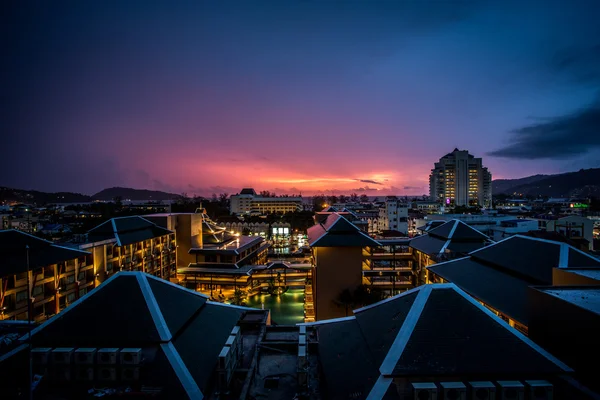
[[337, 268]]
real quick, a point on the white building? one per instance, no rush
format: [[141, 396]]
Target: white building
[[512, 227], [393, 216], [484, 223], [574, 226], [248, 202], [459, 179]]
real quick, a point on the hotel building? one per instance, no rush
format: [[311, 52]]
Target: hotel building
[[248, 202], [132, 244], [58, 276], [393, 216], [499, 275], [459, 179]]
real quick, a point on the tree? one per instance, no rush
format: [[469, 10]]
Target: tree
[[319, 203], [354, 197], [214, 198], [345, 299], [118, 202], [238, 297], [364, 198], [223, 199], [343, 198], [332, 199]]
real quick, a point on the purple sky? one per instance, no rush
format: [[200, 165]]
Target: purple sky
[[305, 96]]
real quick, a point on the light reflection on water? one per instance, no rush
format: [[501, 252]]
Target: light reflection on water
[[287, 309]]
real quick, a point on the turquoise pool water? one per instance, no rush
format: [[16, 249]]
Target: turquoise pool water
[[286, 309]]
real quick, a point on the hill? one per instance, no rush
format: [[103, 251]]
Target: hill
[[133, 194], [583, 183], [40, 198]]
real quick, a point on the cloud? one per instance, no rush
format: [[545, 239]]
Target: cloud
[[412, 187], [368, 181], [582, 63], [562, 137], [365, 189]]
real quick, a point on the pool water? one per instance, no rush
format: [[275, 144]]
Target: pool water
[[286, 309]]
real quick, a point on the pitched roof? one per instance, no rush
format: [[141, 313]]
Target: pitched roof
[[428, 331], [454, 236], [337, 231], [13, 252], [127, 230], [180, 332], [585, 297], [500, 274]]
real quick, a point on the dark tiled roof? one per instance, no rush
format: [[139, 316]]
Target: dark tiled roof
[[454, 337], [177, 306], [179, 331], [380, 324], [466, 232], [429, 331], [526, 256], [444, 230], [201, 342], [464, 247], [114, 314], [586, 297], [338, 231], [427, 244], [579, 259], [346, 361], [127, 230], [507, 293], [13, 253]]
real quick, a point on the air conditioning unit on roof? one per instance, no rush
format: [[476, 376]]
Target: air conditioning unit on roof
[[130, 356], [84, 373], [62, 355], [41, 355], [107, 356], [106, 373], [453, 390], [482, 391], [513, 390], [85, 356], [424, 391], [539, 390]]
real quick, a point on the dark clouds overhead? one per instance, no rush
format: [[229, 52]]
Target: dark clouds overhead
[[558, 138]]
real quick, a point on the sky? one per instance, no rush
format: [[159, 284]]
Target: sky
[[293, 96]]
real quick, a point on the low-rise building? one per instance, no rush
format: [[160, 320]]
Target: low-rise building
[[393, 216], [446, 241], [56, 276], [512, 227], [433, 342], [138, 335], [499, 275], [574, 227], [566, 320], [248, 202], [132, 244]]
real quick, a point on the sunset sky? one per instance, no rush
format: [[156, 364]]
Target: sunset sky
[[293, 96]]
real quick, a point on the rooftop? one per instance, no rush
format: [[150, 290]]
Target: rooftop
[[13, 252], [586, 297], [337, 231], [127, 230]]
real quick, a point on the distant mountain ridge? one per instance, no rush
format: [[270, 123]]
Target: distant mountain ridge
[[133, 194], [40, 198], [582, 183]]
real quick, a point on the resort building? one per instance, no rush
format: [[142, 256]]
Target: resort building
[[566, 320], [433, 342], [460, 179], [132, 244], [393, 216], [248, 202], [444, 242], [499, 275], [57, 276], [138, 335], [337, 249]]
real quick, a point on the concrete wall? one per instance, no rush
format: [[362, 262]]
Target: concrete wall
[[583, 225], [337, 268]]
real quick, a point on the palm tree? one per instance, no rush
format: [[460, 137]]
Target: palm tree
[[345, 298], [238, 297]]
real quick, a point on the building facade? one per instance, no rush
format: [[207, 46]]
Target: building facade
[[57, 276], [574, 227], [393, 216], [249, 202], [460, 179], [132, 244]]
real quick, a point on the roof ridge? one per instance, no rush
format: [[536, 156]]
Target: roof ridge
[[155, 312]]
